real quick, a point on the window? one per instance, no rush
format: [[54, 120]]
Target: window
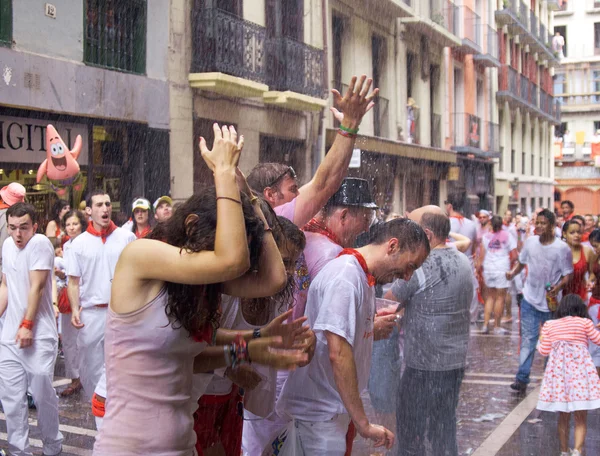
[[596, 125], [523, 163], [115, 34], [596, 86], [501, 159], [5, 22], [512, 160], [597, 38]]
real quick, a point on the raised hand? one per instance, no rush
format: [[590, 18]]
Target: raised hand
[[226, 150], [269, 351], [355, 103], [289, 332]]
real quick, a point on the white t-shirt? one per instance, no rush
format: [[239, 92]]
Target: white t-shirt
[[94, 263], [468, 228], [319, 251], [497, 249], [37, 255], [59, 263], [339, 301], [545, 264]]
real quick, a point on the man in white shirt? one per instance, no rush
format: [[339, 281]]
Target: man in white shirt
[[548, 260], [324, 396], [91, 262], [462, 225], [29, 339]]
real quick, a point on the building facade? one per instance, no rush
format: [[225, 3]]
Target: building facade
[[527, 111], [95, 69], [577, 88]]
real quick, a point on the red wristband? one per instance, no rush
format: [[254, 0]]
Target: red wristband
[[28, 324]]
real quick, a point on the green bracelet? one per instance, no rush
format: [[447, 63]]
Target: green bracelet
[[349, 130]]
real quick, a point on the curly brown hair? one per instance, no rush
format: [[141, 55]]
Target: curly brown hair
[[194, 306]]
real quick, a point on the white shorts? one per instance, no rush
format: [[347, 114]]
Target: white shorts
[[495, 280]]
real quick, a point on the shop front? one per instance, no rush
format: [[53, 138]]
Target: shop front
[[124, 159]]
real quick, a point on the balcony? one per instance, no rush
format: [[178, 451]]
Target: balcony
[[522, 93], [469, 30], [489, 56], [234, 57], [579, 102], [554, 5], [470, 136], [572, 152], [441, 25], [228, 55], [436, 130]]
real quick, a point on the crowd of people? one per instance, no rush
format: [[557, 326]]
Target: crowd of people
[[250, 318]]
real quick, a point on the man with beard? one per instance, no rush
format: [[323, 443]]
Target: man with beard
[[91, 262], [324, 396]]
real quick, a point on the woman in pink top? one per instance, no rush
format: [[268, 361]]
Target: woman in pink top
[[571, 383], [164, 310]]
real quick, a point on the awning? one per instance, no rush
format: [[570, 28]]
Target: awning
[[398, 148]]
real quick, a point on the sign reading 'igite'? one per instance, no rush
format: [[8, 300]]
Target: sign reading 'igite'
[[23, 140]]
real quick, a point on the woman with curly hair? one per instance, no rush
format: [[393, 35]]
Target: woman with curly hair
[[164, 310]]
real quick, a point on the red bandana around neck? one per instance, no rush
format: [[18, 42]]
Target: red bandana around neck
[[145, 232], [105, 231], [363, 264], [315, 226]]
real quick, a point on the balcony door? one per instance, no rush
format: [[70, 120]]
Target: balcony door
[[285, 18], [234, 7]]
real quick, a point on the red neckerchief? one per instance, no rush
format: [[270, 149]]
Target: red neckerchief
[[105, 231], [568, 217], [460, 218], [3, 205], [315, 226], [144, 233], [363, 264]]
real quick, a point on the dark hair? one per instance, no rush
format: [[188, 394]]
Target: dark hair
[[74, 213], [409, 234], [96, 192], [496, 222], [263, 175], [580, 218], [549, 215], [286, 235], [568, 203], [56, 208], [194, 306], [572, 305], [566, 226], [21, 210], [457, 202], [438, 224], [595, 235]]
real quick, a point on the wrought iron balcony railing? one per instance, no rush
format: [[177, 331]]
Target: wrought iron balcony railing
[[467, 131], [491, 41], [226, 43], [295, 66], [492, 138], [471, 26], [444, 13]]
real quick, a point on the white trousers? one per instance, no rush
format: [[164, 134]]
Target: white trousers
[[317, 438], [69, 336], [259, 433], [30, 368], [90, 344]]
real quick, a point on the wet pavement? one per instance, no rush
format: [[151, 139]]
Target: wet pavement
[[492, 420]]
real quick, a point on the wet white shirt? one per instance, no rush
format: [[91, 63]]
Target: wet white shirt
[[94, 263], [37, 255], [319, 251], [545, 264], [339, 301], [497, 248]]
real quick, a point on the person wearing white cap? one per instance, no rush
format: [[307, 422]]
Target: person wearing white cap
[[141, 218], [163, 208], [29, 340], [91, 262]]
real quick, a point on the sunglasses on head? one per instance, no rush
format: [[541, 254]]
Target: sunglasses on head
[[289, 171]]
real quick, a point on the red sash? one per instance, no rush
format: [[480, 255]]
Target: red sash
[[363, 264], [105, 231], [315, 226]]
